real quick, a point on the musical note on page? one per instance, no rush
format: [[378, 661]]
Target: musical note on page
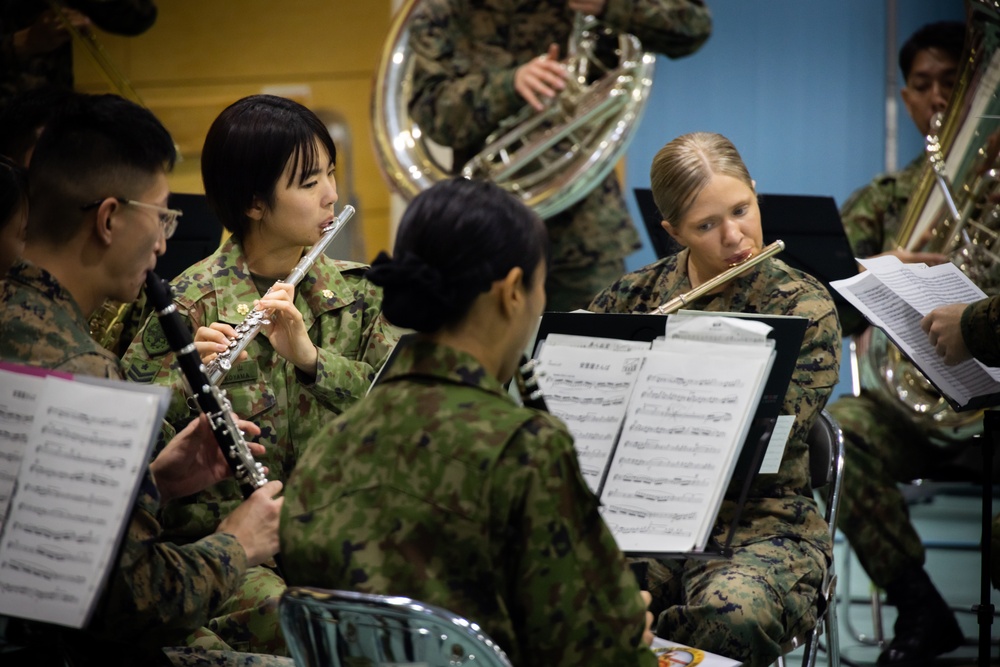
[[80, 447]]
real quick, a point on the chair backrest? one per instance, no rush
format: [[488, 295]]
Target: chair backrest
[[329, 628], [826, 461]]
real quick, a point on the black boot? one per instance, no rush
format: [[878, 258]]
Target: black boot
[[925, 626]]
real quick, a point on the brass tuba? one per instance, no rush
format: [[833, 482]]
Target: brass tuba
[[955, 210], [550, 159]]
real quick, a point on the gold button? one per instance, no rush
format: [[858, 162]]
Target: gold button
[[327, 294], [243, 309]]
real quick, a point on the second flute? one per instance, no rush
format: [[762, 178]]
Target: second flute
[[250, 327]]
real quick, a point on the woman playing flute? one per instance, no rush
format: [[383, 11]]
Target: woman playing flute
[[268, 170], [746, 606]]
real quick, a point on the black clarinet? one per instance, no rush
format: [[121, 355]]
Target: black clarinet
[[211, 400], [527, 385]]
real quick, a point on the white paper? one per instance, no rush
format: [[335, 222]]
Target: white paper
[[18, 396], [771, 462], [895, 296], [86, 448], [699, 326]]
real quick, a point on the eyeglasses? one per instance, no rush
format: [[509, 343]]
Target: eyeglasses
[[168, 216]]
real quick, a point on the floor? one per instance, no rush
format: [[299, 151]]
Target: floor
[[948, 517]]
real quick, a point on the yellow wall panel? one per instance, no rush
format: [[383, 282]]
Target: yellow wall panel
[[201, 56]]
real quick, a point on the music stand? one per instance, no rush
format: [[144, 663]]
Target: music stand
[[787, 333], [198, 235]]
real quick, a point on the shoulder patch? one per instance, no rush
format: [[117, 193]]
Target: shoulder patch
[[153, 338]]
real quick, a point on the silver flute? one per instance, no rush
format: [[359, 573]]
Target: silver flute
[[250, 327]]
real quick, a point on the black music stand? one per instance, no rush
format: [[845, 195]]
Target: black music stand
[[197, 236], [787, 333]]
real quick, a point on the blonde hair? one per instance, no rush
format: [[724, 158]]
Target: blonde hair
[[683, 167]]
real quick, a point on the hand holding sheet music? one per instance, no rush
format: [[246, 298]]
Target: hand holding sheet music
[[895, 296]]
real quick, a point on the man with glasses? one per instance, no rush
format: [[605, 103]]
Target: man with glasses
[[97, 223]]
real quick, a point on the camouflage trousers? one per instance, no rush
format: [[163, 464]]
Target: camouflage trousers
[[192, 657], [248, 621], [742, 607], [882, 448], [569, 289]]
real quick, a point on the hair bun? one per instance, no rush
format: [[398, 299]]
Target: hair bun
[[417, 295]]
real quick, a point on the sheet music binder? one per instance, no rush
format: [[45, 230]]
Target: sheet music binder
[[787, 332]]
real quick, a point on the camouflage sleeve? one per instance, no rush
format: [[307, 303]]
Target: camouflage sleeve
[[149, 360], [981, 330], [341, 381], [863, 215], [674, 28], [455, 100], [574, 598], [160, 592], [620, 297], [817, 369]]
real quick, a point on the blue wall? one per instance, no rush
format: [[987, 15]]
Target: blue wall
[[797, 85]]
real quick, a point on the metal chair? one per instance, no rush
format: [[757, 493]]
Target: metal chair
[[826, 464], [329, 628]]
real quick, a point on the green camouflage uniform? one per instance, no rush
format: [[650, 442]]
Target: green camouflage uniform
[[123, 17], [342, 313], [439, 488], [467, 52], [159, 592], [883, 444], [981, 334], [746, 606]]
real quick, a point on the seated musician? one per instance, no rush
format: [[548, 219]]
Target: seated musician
[[96, 225], [268, 170], [438, 486], [746, 606]]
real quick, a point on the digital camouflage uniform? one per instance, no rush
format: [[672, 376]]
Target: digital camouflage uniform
[[439, 488], [883, 444], [744, 607], [159, 592], [981, 334], [123, 17], [467, 52], [343, 315]]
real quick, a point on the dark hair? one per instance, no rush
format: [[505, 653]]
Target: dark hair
[[95, 146], [24, 115], [949, 36], [246, 151], [455, 239], [13, 189]]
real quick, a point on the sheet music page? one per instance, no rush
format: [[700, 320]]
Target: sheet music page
[[18, 397], [588, 388], [689, 414], [87, 447], [880, 303]]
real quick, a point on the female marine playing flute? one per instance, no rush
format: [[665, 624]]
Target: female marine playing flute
[[746, 606]]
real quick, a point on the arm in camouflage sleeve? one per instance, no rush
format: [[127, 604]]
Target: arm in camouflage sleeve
[[674, 28], [160, 592], [981, 330], [341, 381], [457, 99], [817, 369], [575, 599], [863, 216]]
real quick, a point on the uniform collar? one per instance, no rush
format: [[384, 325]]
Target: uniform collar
[[422, 358], [322, 289]]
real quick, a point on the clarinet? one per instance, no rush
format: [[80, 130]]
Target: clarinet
[[211, 400], [527, 385], [250, 327]]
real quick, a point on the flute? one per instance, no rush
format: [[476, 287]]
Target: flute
[[250, 327]]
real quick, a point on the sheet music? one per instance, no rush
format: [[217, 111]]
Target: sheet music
[[18, 396], [895, 299], [86, 448], [690, 412], [589, 393]]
